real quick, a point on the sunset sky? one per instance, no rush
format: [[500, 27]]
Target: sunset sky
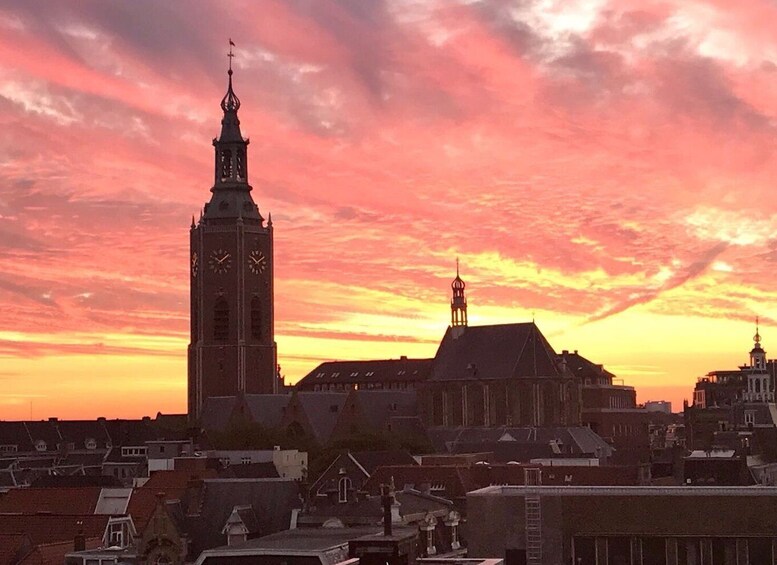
[[606, 167]]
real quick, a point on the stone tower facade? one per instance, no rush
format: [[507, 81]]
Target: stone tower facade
[[232, 349]]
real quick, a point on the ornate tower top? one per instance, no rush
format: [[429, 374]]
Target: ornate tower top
[[459, 301], [757, 354], [231, 199]]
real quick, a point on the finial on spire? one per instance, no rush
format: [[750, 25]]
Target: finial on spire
[[757, 336], [193, 220], [230, 102]]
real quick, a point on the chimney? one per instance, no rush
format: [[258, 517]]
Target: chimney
[[403, 357], [386, 499], [79, 542]]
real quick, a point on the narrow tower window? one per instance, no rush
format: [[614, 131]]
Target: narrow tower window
[[221, 320], [241, 164], [226, 164], [256, 318]]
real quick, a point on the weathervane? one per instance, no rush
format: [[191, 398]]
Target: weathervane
[[230, 54]]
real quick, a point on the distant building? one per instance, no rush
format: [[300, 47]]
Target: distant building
[[736, 409], [614, 525], [659, 406]]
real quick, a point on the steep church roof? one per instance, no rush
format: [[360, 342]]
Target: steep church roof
[[494, 352]]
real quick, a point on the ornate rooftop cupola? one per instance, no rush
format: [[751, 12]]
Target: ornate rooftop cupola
[[231, 197], [757, 354], [459, 301]]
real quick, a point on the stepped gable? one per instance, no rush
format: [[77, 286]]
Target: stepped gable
[[495, 352]]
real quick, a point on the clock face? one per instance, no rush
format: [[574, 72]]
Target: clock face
[[257, 262], [220, 261], [195, 264]]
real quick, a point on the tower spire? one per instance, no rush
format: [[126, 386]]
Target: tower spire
[[459, 301]]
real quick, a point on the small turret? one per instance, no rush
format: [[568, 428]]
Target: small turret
[[459, 301]]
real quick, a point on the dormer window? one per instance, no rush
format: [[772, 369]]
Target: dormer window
[[40, 445], [90, 443]]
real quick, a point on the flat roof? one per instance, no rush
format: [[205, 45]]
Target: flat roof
[[625, 491]]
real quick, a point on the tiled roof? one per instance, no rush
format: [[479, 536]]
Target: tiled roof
[[54, 553], [13, 547], [379, 371], [494, 352], [51, 528], [55, 501], [171, 484], [267, 409], [217, 412], [318, 409], [272, 501], [78, 432], [380, 405]]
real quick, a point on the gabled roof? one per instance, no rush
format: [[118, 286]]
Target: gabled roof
[[322, 410], [494, 352], [378, 406], [378, 371], [217, 412], [51, 500], [267, 409]]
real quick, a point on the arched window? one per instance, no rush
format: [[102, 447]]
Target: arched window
[[221, 320], [256, 318], [225, 160], [343, 486]]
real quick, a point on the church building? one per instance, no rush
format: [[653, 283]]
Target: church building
[[232, 350]]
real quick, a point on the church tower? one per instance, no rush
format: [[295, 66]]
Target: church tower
[[459, 301], [232, 349]]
